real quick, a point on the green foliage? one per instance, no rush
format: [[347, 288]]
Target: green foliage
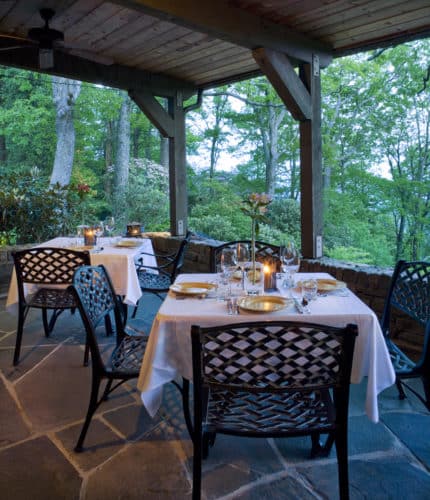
[[148, 199], [375, 119], [32, 211]]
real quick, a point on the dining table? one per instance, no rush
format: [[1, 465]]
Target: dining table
[[118, 255], [168, 355]]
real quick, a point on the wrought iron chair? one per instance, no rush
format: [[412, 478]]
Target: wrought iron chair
[[409, 293], [263, 252], [98, 304], [272, 379], [157, 279], [46, 268]]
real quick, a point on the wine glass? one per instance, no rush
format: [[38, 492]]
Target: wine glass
[[109, 225], [290, 261], [242, 252], [228, 260], [99, 229]]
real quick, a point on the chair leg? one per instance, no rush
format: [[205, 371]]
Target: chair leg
[[87, 352], [342, 463], [135, 310], [197, 468], [21, 319], [106, 392], [426, 385], [399, 385], [45, 322], [92, 407]]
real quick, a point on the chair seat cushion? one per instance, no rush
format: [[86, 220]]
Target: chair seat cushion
[[51, 298], [267, 413], [127, 357], [152, 281]]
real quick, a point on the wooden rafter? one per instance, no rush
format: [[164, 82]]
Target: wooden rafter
[[222, 20]]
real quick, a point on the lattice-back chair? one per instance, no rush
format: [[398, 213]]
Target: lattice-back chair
[[99, 306], [263, 252], [43, 274], [272, 379], [409, 293], [157, 279]]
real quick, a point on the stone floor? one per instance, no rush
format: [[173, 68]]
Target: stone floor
[[131, 456]]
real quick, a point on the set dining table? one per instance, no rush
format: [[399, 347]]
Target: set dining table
[[116, 254], [168, 355]]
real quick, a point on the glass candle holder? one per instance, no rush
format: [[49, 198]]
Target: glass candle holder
[[90, 238]]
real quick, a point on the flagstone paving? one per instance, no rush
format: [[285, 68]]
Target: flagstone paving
[[130, 456]]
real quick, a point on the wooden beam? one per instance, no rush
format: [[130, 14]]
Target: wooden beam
[[117, 76], [154, 111], [177, 168], [311, 167], [220, 19], [280, 72]]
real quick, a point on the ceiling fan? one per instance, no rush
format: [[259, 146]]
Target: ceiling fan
[[46, 40]]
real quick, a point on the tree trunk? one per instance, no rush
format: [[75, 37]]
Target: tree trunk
[[164, 152], [136, 140], [3, 150], [65, 93], [108, 153], [122, 162]]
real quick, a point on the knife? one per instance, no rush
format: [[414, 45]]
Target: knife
[[299, 306]]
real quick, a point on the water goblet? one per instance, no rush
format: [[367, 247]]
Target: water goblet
[[309, 290], [228, 259]]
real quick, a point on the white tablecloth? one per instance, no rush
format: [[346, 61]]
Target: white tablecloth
[[119, 262], [168, 354]]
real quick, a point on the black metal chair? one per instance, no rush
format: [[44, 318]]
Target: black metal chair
[[99, 305], [409, 293], [263, 252], [47, 269], [157, 279], [272, 379]]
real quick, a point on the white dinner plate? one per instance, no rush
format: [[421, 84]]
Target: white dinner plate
[[264, 303], [326, 284], [192, 288], [128, 244]]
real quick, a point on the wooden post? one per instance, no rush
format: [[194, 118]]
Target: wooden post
[[177, 168], [311, 166]]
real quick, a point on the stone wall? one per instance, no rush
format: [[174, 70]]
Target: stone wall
[[369, 283]]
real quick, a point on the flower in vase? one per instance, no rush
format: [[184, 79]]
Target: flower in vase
[[255, 206]]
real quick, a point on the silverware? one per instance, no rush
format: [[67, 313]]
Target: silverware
[[301, 308]]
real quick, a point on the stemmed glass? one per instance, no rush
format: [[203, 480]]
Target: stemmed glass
[[242, 252], [110, 226], [99, 229], [228, 261], [290, 260]]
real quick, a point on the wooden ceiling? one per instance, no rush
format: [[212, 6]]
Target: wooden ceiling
[[200, 44]]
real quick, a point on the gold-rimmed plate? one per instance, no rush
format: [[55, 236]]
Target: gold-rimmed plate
[[327, 284], [128, 244], [264, 303], [81, 248], [192, 288]]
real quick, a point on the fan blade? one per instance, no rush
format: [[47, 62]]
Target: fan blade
[[14, 47]]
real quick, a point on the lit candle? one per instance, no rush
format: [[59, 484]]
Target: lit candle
[[269, 278], [90, 238]]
